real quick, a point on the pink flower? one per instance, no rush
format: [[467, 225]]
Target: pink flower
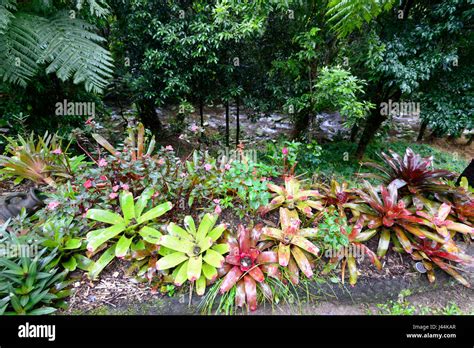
[[88, 184], [227, 166], [207, 167], [183, 175], [263, 178], [218, 209], [125, 187], [102, 163], [169, 148], [53, 205], [161, 161], [89, 121], [216, 201], [113, 195], [115, 188], [57, 151], [194, 128], [103, 177], [284, 151]]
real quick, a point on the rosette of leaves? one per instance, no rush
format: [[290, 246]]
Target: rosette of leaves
[[28, 285], [293, 245], [125, 230], [61, 234], [195, 253], [412, 171], [431, 253], [246, 264], [354, 249], [337, 195], [292, 197], [389, 213], [35, 158]]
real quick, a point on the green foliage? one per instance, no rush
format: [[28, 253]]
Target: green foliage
[[67, 46], [63, 235], [345, 16], [29, 286], [338, 89], [248, 181], [195, 254], [127, 231], [333, 231]]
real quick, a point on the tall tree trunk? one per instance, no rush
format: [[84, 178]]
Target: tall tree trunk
[[354, 132], [373, 123], [201, 111], [227, 123], [237, 134], [471, 138], [301, 124], [149, 117], [421, 133]]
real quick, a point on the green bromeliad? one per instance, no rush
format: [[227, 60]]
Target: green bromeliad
[[196, 254], [127, 230]]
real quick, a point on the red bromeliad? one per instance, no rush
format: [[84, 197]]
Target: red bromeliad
[[246, 265], [430, 252], [411, 171]]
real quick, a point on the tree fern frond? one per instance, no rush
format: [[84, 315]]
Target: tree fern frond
[[72, 51], [68, 46], [20, 50], [6, 15], [98, 8]]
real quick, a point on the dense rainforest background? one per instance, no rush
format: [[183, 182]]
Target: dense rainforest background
[[297, 58]]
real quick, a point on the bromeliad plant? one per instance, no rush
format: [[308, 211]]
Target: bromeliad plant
[[195, 255], [412, 171], [292, 244], [354, 250], [245, 266], [431, 253], [28, 285], [39, 159], [292, 197], [126, 230], [63, 236]]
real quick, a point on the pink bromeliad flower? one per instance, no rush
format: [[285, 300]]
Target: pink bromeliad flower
[[285, 151], [57, 151], [207, 167], [125, 187], [169, 148], [88, 184], [227, 166], [113, 195]]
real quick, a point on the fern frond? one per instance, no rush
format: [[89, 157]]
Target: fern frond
[[98, 8], [68, 46], [6, 8], [347, 15]]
